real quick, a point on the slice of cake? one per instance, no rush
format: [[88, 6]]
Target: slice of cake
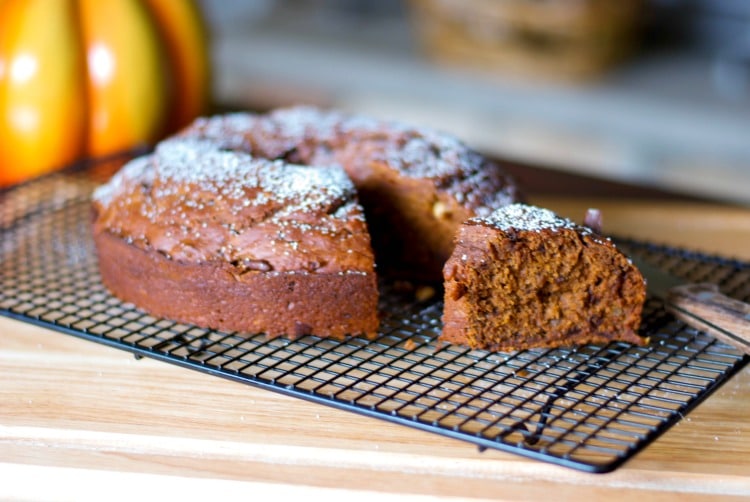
[[223, 240], [524, 277]]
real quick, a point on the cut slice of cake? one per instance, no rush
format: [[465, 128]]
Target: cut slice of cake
[[524, 278]]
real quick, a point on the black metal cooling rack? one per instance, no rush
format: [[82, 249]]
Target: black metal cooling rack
[[590, 408]]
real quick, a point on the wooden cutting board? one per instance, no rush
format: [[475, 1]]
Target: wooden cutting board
[[74, 414]]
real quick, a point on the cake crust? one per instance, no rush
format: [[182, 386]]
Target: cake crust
[[217, 296]]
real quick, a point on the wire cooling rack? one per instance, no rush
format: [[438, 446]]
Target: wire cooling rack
[[590, 408]]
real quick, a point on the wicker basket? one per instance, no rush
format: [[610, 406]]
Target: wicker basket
[[559, 38]]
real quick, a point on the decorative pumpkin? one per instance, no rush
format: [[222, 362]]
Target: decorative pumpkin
[[85, 78]]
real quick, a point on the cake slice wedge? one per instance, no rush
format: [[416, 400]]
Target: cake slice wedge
[[524, 278]]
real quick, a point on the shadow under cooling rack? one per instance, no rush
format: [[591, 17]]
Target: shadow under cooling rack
[[590, 408]]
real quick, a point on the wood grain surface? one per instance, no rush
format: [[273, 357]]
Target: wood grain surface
[[80, 421]]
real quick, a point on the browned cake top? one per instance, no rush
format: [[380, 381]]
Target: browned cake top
[[191, 201], [310, 135]]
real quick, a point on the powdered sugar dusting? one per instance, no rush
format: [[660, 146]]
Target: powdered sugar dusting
[[415, 152], [238, 177], [524, 217], [187, 160], [137, 169], [430, 154], [300, 122], [311, 135], [227, 131]]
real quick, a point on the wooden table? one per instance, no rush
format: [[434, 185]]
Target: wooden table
[[83, 421]]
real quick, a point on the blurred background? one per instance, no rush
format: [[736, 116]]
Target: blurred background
[[652, 92]]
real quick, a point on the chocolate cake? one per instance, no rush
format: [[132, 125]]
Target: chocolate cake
[[224, 240], [416, 185], [523, 277]]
